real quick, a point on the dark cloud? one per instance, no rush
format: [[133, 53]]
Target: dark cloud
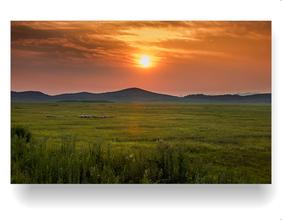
[[67, 42], [22, 32]]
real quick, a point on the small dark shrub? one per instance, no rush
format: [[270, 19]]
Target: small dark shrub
[[21, 133]]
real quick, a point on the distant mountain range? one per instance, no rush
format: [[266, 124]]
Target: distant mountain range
[[138, 95]]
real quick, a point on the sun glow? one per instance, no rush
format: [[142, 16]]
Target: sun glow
[[145, 61]]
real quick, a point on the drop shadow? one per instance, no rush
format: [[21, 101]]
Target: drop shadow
[[145, 195]]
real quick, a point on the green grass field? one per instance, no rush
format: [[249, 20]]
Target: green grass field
[[140, 143]]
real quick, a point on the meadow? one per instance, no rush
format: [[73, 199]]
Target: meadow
[[140, 143]]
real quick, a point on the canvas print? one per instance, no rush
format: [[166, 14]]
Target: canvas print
[[158, 102]]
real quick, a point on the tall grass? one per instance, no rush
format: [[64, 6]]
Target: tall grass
[[33, 161]]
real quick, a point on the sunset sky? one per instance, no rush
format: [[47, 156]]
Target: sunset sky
[[171, 57]]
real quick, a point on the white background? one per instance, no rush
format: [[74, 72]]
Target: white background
[[144, 201]]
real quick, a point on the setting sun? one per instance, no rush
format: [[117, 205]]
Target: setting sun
[[145, 61]]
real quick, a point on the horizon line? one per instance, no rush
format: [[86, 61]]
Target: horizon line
[[161, 93]]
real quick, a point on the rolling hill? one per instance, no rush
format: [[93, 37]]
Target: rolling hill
[[138, 95]]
